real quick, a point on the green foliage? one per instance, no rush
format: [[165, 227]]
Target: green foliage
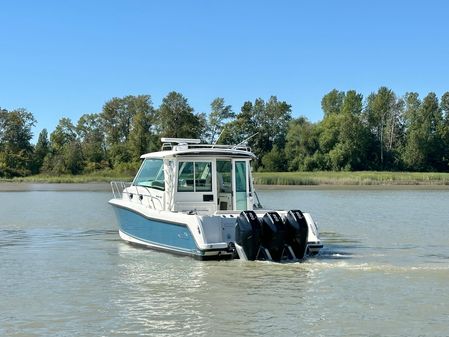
[[241, 128], [383, 115], [41, 150], [424, 148], [302, 144], [274, 161], [120, 153], [16, 151], [444, 130], [332, 102], [65, 155], [219, 114], [15, 164], [90, 132], [382, 132], [141, 139], [262, 125], [128, 124], [176, 118], [342, 137], [64, 133]]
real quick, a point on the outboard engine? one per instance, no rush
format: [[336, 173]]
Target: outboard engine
[[273, 235], [297, 232], [247, 235]]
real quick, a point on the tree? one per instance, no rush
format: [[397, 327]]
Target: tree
[[275, 120], [142, 140], [176, 118], [432, 124], [129, 125], [353, 137], [444, 130], [302, 144], [16, 151], [64, 133], [116, 118], [66, 152], [242, 127], [384, 118], [73, 157], [352, 103], [351, 151], [412, 155], [423, 149], [274, 161], [262, 125], [217, 118], [343, 139], [41, 150], [90, 133], [15, 129], [332, 102]]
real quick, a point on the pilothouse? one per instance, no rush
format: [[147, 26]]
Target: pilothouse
[[199, 200]]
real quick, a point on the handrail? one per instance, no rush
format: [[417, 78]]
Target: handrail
[[241, 147], [220, 146], [152, 198], [118, 188]]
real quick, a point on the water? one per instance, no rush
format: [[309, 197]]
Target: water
[[384, 271]]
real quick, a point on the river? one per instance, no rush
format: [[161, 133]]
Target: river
[[384, 271]]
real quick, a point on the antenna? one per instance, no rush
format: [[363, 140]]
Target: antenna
[[216, 141], [244, 141]]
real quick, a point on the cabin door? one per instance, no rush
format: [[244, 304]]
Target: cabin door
[[240, 185], [224, 185]]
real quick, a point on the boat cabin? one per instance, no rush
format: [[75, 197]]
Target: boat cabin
[[186, 176]]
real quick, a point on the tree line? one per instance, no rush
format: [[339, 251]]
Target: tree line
[[381, 132]]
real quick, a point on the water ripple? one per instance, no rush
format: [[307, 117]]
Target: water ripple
[[45, 236]]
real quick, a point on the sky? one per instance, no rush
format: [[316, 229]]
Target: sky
[[67, 58]]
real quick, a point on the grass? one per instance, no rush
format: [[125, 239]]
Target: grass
[[97, 177], [362, 178]]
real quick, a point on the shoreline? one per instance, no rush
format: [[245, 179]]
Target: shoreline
[[62, 187], [105, 187], [353, 187]]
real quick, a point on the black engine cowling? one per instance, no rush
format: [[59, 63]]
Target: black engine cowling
[[248, 233], [297, 232], [273, 235]]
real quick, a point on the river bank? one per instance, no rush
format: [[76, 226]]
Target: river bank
[[360, 178], [262, 180]]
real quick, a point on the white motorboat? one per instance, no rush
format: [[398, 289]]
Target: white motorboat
[[199, 200]]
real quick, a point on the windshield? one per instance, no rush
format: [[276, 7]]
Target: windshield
[[151, 174]]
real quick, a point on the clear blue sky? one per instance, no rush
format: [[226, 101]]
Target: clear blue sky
[[67, 58]]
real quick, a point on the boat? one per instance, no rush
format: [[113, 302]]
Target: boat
[[199, 200]]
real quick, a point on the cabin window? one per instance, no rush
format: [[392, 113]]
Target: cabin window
[[241, 185], [151, 174], [224, 176], [195, 176]]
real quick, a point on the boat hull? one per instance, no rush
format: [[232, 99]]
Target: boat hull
[[211, 237], [169, 236]]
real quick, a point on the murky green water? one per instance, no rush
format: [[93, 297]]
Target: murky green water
[[384, 271]]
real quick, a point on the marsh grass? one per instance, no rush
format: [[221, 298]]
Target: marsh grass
[[363, 178], [100, 176]]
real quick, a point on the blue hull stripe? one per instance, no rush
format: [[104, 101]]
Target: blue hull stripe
[[170, 236]]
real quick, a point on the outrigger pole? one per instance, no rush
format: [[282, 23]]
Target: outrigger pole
[[244, 141]]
